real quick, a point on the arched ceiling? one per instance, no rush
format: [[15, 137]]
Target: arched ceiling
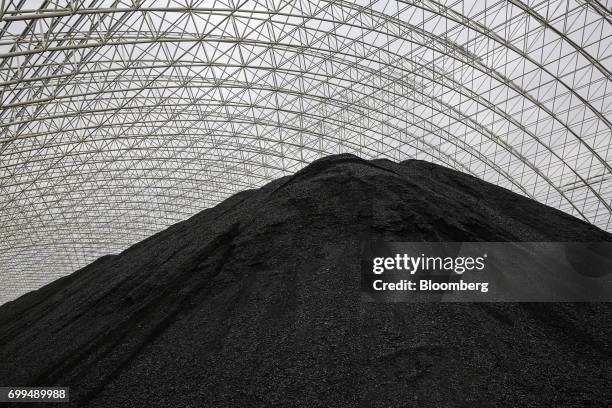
[[119, 118]]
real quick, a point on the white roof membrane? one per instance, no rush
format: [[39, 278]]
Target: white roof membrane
[[120, 118]]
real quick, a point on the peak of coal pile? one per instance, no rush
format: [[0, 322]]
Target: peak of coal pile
[[256, 302]]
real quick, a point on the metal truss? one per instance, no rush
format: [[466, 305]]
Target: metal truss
[[120, 118]]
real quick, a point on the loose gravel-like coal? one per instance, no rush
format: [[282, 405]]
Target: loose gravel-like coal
[[256, 302]]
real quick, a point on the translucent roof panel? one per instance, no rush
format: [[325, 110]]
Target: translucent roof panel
[[119, 118]]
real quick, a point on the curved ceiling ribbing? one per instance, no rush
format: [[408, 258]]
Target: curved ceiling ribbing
[[119, 118]]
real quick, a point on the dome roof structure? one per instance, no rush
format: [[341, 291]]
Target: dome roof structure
[[119, 118]]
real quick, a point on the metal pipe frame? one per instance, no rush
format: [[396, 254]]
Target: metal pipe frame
[[117, 112]]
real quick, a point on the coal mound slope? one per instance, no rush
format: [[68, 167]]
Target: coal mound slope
[[255, 302]]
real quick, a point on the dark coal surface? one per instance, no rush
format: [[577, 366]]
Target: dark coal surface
[[256, 302]]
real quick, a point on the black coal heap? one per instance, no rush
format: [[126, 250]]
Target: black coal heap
[[255, 302]]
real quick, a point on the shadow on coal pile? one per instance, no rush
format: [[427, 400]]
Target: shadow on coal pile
[[255, 302]]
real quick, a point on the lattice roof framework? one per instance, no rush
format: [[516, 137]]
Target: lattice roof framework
[[119, 118]]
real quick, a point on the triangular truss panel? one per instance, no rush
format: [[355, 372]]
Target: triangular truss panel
[[121, 117]]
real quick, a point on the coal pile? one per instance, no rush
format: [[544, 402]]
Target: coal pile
[[256, 302]]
